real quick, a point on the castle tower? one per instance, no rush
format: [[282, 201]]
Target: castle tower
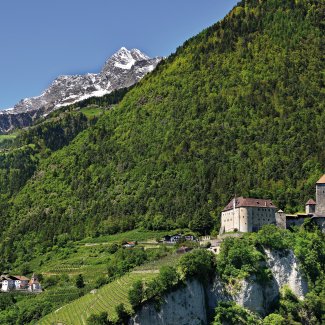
[[280, 219], [310, 206], [320, 196]]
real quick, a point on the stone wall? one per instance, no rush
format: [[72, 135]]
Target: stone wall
[[320, 199]]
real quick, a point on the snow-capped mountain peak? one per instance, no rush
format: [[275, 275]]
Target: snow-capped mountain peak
[[125, 59], [121, 70]]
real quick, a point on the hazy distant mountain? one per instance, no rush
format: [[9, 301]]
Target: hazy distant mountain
[[123, 69]]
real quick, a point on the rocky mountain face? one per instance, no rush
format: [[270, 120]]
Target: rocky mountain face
[[123, 69], [190, 304]]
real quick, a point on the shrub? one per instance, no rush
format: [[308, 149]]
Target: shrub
[[198, 263], [231, 313], [238, 258], [122, 314], [136, 294], [101, 319], [274, 319], [271, 236], [80, 281]]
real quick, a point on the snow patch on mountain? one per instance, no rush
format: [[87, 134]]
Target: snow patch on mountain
[[121, 70]]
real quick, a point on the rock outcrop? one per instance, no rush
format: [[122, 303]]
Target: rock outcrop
[[192, 304], [286, 271], [186, 306]]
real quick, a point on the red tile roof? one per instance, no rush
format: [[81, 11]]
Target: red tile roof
[[21, 278], [310, 202], [321, 180], [249, 202]]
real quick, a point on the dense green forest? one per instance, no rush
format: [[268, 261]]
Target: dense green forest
[[238, 108]]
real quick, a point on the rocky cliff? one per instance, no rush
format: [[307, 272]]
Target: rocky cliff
[[122, 70], [184, 306], [190, 305]]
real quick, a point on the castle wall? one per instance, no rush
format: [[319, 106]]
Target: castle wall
[[262, 216], [320, 199], [281, 220], [310, 209], [243, 220], [247, 219]]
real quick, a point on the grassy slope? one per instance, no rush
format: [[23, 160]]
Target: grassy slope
[[87, 257], [92, 111], [107, 297], [90, 258]]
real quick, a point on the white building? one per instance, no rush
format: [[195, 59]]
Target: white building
[[34, 285], [7, 283], [247, 215], [21, 282]]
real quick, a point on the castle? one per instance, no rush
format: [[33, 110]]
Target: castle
[[250, 214]]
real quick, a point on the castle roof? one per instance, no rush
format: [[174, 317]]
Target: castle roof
[[321, 180], [310, 202], [249, 202]]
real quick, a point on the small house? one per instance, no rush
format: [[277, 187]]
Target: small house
[[34, 285], [189, 238], [7, 283], [173, 239], [129, 244], [21, 282]]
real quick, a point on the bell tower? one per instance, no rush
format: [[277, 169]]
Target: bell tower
[[320, 196]]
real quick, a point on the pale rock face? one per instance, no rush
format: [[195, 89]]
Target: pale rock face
[[259, 298], [186, 306], [122, 70], [286, 271], [217, 292], [256, 297], [190, 305]]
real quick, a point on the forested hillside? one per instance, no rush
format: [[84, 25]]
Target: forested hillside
[[237, 109]]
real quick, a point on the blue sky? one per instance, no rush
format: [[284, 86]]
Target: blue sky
[[41, 39]]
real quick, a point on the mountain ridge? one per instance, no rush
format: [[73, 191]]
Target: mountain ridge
[[121, 70]]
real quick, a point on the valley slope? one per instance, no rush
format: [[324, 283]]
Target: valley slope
[[237, 109]]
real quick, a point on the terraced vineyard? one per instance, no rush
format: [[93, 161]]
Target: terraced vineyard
[[62, 294], [154, 266], [103, 299]]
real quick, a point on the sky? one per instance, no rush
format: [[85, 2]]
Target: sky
[[42, 39]]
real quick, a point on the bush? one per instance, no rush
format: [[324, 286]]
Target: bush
[[230, 313], [168, 277], [238, 258], [166, 280], [274, 319], [80, 281], [122, 314], [101, 319], [136, 294], [198, 263], [271, 236], [100, 281], [50, 281]]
